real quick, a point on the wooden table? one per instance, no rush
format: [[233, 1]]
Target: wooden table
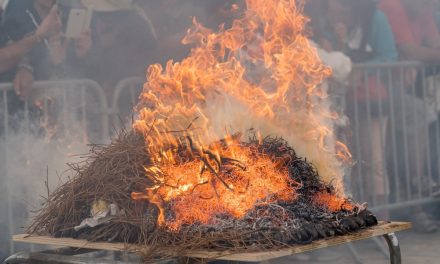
[[385, 229]]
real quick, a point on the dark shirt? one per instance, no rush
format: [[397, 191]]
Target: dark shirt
[[14, 104], [20, 20]]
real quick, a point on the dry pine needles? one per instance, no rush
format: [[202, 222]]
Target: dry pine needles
[[113, 172]]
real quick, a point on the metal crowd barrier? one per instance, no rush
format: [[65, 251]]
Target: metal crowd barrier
[[394, 122], [56, 111], [64, 98], [125, 98]]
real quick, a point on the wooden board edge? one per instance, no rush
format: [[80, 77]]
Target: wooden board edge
[[379, 230], [69, 242]]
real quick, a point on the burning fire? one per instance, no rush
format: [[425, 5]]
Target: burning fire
[[199, 196], [261, 73]]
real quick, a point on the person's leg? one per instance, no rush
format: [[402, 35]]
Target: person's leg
[[417, 145], [372, 158], [372, 139], [363, 156], [379, 174]]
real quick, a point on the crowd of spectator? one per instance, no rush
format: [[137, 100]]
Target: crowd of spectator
[[123, 38], [127, 35]]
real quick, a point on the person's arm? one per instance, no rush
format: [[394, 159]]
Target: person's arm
[[431, 34], [407, 45], [23, 80], [416, 52], [12, 54], [431, 37]]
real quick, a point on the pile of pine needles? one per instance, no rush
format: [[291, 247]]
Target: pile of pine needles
[[113, 172]]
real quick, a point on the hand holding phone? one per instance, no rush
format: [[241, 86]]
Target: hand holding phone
[[78, 22], [83, 43]]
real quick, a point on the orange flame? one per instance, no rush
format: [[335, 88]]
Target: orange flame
[[333, 202], [261, 73], [198, 197]]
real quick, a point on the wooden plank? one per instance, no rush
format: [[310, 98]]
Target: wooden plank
[[69, 242], [379, 230]]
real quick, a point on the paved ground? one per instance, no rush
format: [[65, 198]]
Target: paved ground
[[416, 249]]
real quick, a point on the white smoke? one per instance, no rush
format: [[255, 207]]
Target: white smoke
[[34, 157]]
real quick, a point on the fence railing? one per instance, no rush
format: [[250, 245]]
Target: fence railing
[[63, 102], [394, 118], [125, 98]]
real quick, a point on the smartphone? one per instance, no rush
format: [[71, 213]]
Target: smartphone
[[78, 21]]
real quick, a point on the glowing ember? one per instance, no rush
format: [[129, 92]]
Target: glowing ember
[[332, 202], [198, 197], [211, 95]]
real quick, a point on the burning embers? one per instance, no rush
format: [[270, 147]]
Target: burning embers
[[231, 177], [192, 175], [262, 185]]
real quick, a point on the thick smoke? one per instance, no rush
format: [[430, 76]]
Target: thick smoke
[[34, 157]]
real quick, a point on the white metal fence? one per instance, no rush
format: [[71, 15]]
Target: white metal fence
[[57, 103], [125, 98], [394, 120]]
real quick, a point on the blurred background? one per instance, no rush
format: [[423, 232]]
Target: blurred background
[[71, 72]]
